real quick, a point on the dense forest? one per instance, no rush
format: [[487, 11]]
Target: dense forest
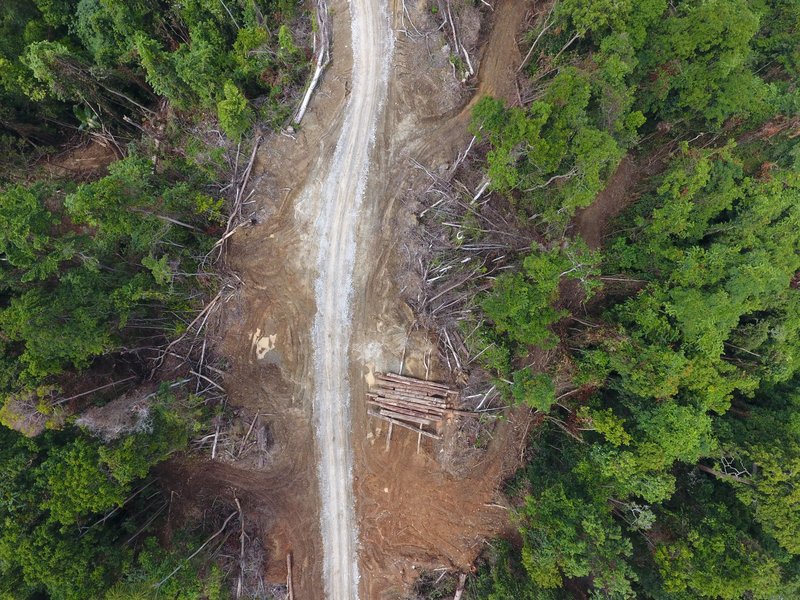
[[658, 358], [103, 270], [661, 364]]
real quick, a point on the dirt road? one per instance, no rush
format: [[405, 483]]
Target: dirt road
[[322, 307], [341, 195]]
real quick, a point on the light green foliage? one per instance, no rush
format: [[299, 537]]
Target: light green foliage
[[637, 463], [721, 251], [25, 240], [698, 62], [161, 73], [774, 492], [720, 270], [110, 204], [670, 432], [56, 488], [159, 268], [235, 115], [76, 276], [47, 561], [523, 310], [521, 304], [493, 349], [42, 58], [606, 423], [171, 422], [51, 341], [250, 59], [95, 27], [714, 559], [568, 537], [598, 18], [202, 62], [551, 152], [37, 551], [627, 474], [77, 484], [286, 42], [154, 564], [535, 390], [685, 483]]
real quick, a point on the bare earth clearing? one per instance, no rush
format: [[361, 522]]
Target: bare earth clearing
[[320, 308], [342, 192]]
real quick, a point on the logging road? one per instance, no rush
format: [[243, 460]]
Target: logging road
[[340, 198]]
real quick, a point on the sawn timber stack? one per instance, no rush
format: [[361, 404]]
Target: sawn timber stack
[[414, 404]]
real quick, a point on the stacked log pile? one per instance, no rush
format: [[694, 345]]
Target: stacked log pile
[[414, 404]]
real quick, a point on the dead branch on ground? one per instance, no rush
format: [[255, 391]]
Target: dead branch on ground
[[186, 561], [323, 56], [240, 579], [469, 237], [462, 580], [545, 28], [235, 438], [289, 585], [405, 15], [202, 318], [247, 435], [449, 25]]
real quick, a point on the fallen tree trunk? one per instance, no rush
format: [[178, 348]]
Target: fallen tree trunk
[[403, 425], [289, 586], [323, 58], [462, 580]]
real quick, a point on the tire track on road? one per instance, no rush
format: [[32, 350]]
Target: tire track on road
[[340, 198]]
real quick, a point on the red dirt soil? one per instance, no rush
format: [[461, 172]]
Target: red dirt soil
[[593, 222], [413, 512]]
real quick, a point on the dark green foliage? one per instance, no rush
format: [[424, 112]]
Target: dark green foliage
[[724, 249], [212, 43], [777, 39], [154, 564], [551, 152], [80, 269], [235, 116], [108, 58], [677, 476], [56, 487], [762, 443], [697, 62], [521, 304]]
